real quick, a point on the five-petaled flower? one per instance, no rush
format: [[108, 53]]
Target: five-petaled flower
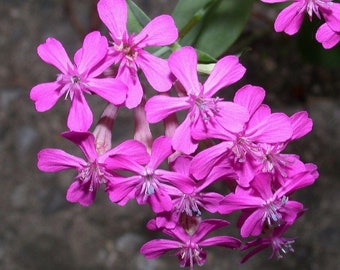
[[291, 18], [76, 79], [92, 172], [205, 111], [128, 49], [189, 243], [265, 207], [272, 238], [149, 184]]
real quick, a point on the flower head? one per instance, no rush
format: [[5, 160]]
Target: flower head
[[149, 184], [77, 79], [92, 171], [272, 238], [291, 18], [189, 244], [265, 206], [128, 49], [205, 111]]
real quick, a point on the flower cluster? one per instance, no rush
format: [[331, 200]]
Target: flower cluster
[[291, 18], [239, 143]]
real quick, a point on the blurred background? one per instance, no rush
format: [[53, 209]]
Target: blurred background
[[40, 230]]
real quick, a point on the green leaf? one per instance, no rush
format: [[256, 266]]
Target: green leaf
[[215, 24], [205, 58], [185, 10], [137, 19], [139, 14]]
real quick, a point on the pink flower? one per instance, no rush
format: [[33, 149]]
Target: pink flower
[[189, 245], [129, 49], [273, 160], [205, 110], [149, 184], [243, 148], [290, 19], [265, 206], [77, 79], [189, 203], [92, 172], [273, 238]]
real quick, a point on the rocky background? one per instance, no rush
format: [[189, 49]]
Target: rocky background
[[40, 230]]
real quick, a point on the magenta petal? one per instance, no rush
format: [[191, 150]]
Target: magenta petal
[[135, 90], [114, 16], [45, 95], [110, 89], [53, 52], [210, 201], [181, 164], [291, 211], [157, 247], [298, 181], [122, 162], [204, 161], [183, 64], [80, 115], [327, 37], [250, 97], [261, 113], [53, 160], [262, 184], [301, 124], [245, 171], [93, 51], [178, 180], [158, 32], [222, 241], [159, 107], [160, 201], [182, 140], [85, 141], [232, 116], [123, 189], [161, 149], [207, 226], [290, 19], [233, 202], [79, 192], [331, 14], [253, 224], [131, 149], [274, 128], [156, 71], [227, 71]]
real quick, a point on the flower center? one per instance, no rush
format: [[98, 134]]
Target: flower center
[[191, 254], [71, 83], [93, 174], [242, 147], [314, 5], [188, 204], [282, 246], [273, 161], [150, 183], [207, 107], [129, 48], [272, 216]]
